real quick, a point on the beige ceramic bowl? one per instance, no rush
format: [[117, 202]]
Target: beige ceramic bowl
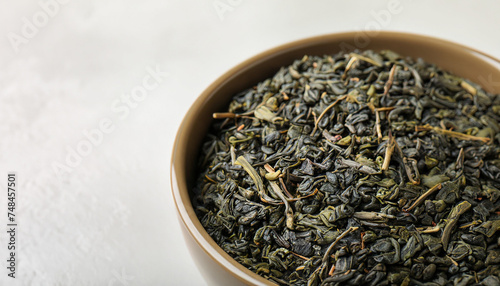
[[216, 266]]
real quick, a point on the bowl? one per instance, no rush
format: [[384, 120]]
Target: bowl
[[216, 266]]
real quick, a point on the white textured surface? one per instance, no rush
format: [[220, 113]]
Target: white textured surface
[[111, 220]]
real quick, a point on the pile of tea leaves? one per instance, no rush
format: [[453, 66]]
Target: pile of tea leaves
[[357, 169]]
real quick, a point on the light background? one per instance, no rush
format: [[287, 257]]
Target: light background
[[111, 219]]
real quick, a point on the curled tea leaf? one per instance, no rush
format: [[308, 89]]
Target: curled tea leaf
[[264, 113]]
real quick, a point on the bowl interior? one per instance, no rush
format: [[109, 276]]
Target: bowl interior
[[455, 58]]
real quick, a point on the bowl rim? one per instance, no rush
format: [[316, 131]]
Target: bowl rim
[[185, 209]]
